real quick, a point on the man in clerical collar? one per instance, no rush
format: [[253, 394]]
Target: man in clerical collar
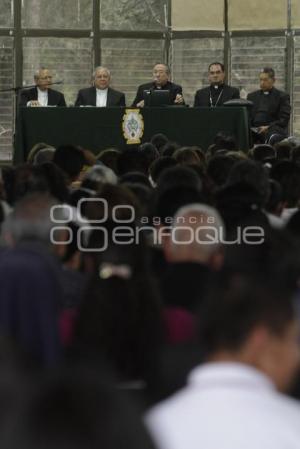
[[271, 109], [100, 94], [42, 94], [217, 93], [161, 80]]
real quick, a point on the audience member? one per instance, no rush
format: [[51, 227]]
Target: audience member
[[246, 325]]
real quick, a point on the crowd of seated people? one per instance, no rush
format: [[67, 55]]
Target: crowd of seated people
[[150, 297]]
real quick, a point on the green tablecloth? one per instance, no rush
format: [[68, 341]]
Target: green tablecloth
[[99, 128]]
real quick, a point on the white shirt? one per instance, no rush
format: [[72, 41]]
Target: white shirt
[[42, 97], [287, 214], [101, 97], [226, 406]]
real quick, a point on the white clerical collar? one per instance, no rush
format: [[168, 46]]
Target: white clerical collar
[[101, 91], [42, 97], [43, 93], [101, 97]]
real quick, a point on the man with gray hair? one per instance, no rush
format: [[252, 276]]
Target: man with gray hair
[[196, 236], [42, 94], [100, 94], [161, 81]]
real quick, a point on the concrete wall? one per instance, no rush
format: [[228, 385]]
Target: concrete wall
[[198, 15], [242, 14]]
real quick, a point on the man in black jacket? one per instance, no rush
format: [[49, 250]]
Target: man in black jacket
[[100, 94], [42, 95], [217, 92], [161, 80], [271, 110]]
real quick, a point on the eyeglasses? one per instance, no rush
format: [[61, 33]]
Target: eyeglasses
[[217, 72]]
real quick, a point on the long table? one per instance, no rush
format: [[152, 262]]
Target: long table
[[100, 128]]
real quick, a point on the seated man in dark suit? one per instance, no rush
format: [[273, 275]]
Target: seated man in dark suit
[[161, 80], [218, 92], [42, 95], [100, 94], [271, 110]]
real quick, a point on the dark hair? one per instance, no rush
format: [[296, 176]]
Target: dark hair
[[132, 159], [160, 165], [169, 149], [269, 71], [168, 71], [74, 408], [159, 140], [109, 157], [254, 174], [295, 155], [275, 199], [238, 302], [179, 176], [186, 155], [263, 151], [224, 141], [167, 202], [135, 177], [217, 63], [119, 318], [70, 159], [287, 173], [218, 169], [150, 152]]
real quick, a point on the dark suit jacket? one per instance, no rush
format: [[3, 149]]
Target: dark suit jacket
[[202, 97], [278, 114], [172, 87], [55, 98], [87, 97]]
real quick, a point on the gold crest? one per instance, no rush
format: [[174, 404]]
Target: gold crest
[[133, 126]]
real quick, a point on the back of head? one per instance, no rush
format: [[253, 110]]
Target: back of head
[[179, 176], [186, 156], [167, 202], [262, 152], [98, 175], [159, 140], [287, 173], [236, 304], [70, 159], [218, 169], [283, 149], [252, 173], [159, 166], [109, 157], [27, 179], [196, 234], [132, 160], [224, 142], [44, 155], [30, 220], [150, 151]]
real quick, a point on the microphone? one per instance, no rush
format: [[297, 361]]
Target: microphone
[[56, 82]]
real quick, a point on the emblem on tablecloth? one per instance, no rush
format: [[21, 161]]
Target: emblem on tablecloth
[[133, 126]]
